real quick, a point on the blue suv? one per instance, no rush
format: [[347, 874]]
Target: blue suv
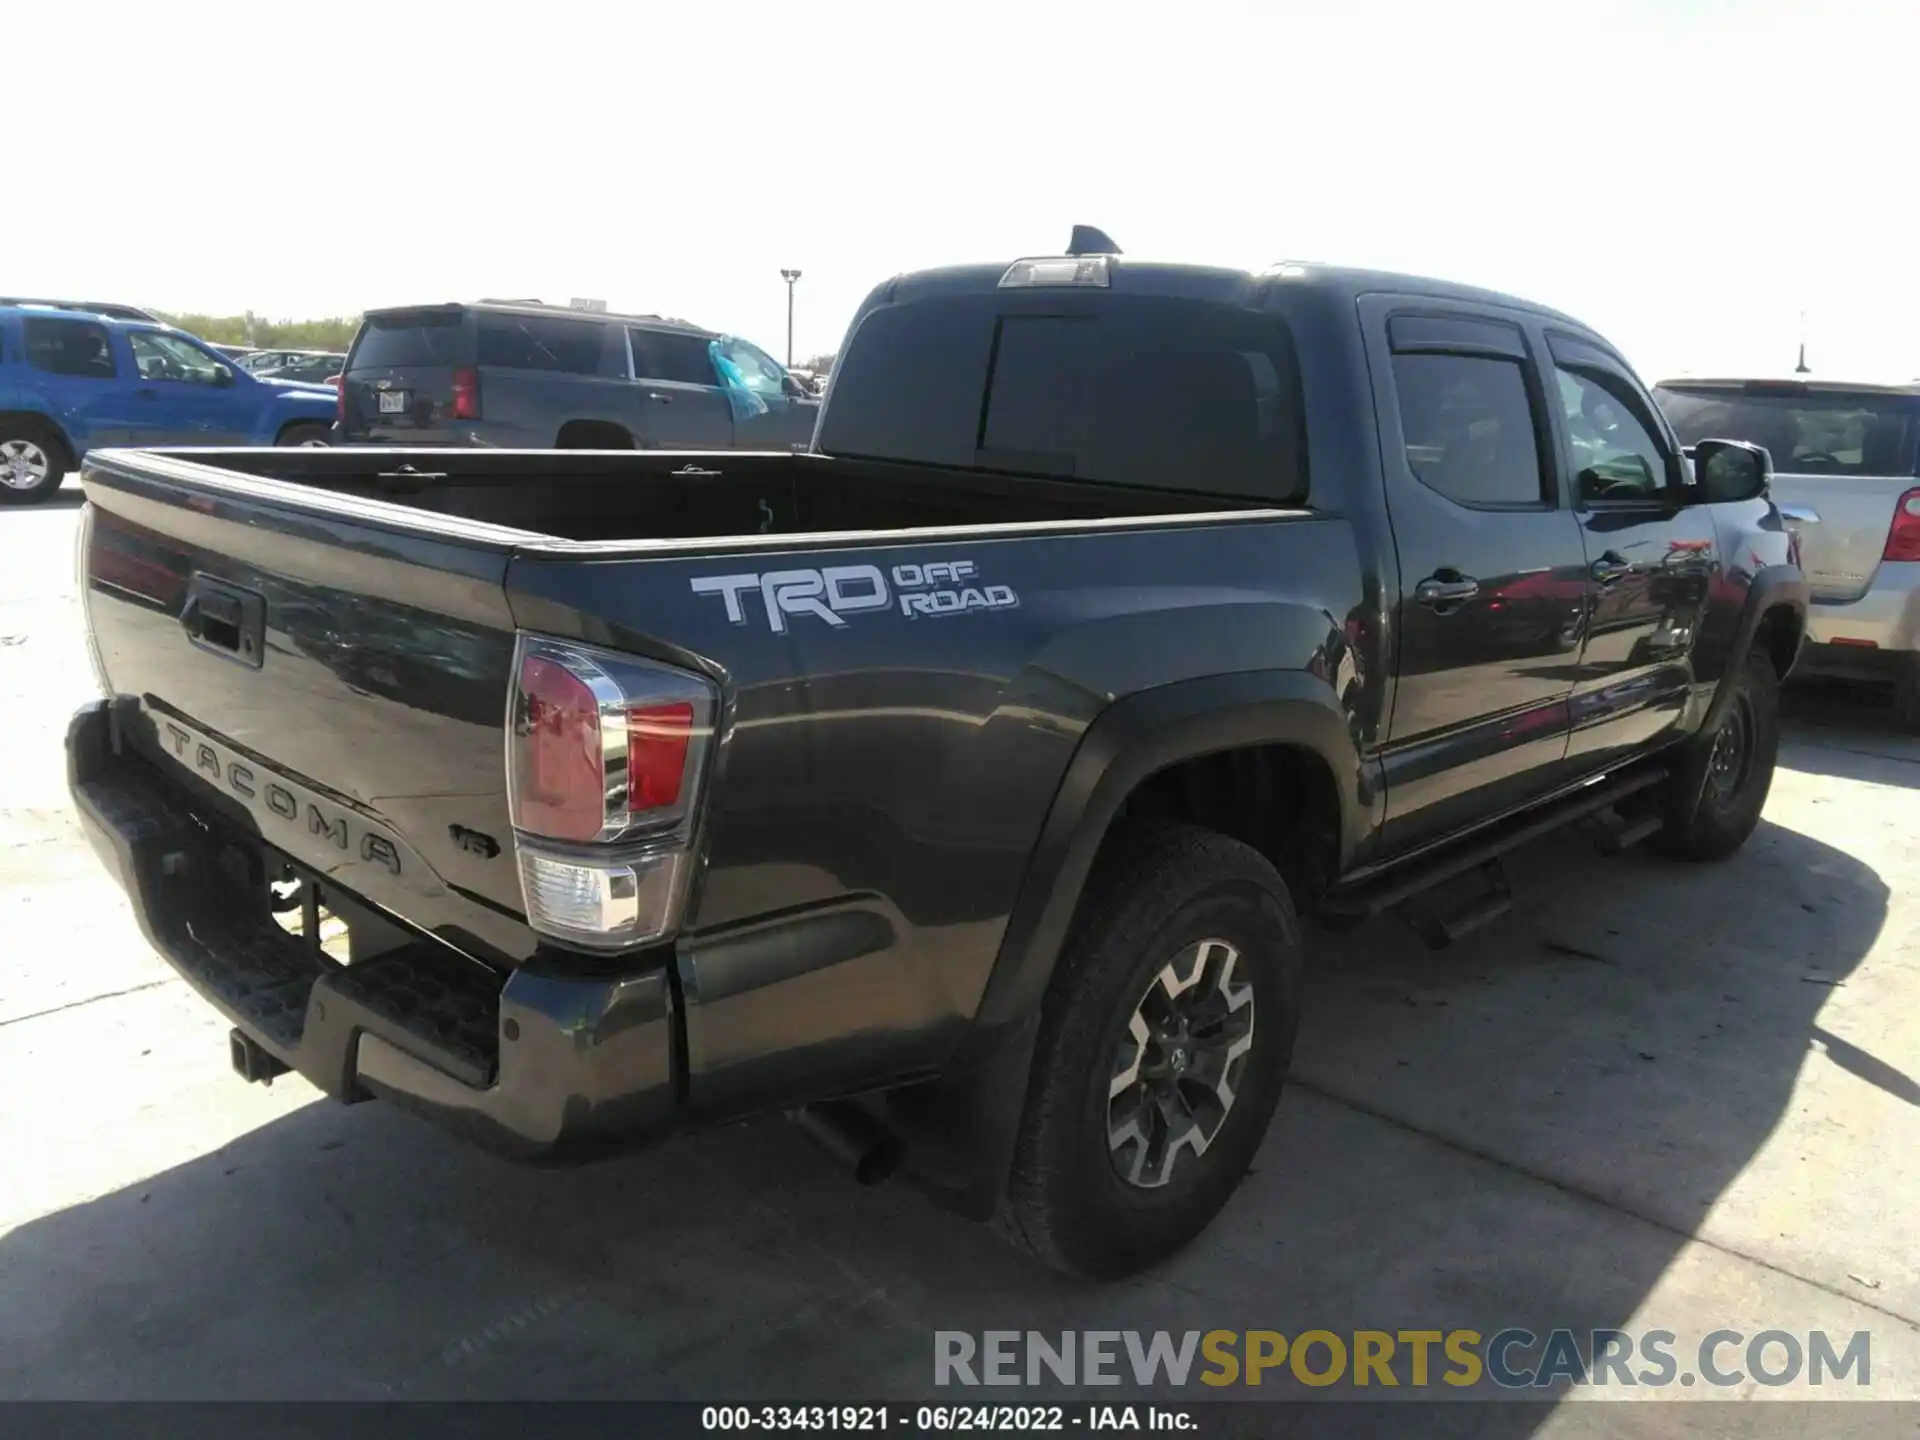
[[70, 383]]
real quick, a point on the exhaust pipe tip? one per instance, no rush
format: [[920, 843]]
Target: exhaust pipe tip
[[854, 1137]]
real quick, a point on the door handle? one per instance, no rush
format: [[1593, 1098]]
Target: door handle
[[147, 392], [225, 619], [662, 399], [1609, 568], [1449, 587], [1800, 514]]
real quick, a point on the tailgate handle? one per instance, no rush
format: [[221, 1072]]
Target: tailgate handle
[[225, 619]]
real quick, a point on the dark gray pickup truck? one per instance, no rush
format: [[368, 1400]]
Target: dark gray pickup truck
[[959, 788]]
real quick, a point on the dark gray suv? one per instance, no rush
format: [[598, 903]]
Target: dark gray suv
[[526, 376]]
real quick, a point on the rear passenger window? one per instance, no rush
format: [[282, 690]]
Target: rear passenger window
[[1191, 397], [68, 347], [662, 355], [535, 342], [1469, 428]]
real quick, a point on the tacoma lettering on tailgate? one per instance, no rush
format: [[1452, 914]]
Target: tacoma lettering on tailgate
[[329, 825]]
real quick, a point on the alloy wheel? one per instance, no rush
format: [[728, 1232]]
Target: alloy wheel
[[1178, 1068], [24, 465]]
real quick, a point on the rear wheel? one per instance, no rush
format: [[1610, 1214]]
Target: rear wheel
[[1167, 1032], [304, 432], [1731, 770], [33, 462]]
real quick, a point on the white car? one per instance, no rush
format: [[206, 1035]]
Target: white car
[[1846, 476]]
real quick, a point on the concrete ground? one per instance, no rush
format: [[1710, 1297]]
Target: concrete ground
[[1656, 1096]]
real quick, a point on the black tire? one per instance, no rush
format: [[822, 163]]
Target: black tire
[[1730, 770], [304, 432], [33, 462], [1160, 890]]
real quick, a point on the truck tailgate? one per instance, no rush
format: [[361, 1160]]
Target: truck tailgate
[[337, 671]]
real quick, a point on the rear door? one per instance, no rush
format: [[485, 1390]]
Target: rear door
[[678, 402], [1842, 457], [74, 366], [1492, 573], [397, 387], [1651, 556]]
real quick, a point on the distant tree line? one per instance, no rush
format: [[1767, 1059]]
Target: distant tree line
[[818, 364], [332, 334]]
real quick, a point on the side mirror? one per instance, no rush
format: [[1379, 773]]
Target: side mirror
[[1727, 470], [223, 375], [795, 390]]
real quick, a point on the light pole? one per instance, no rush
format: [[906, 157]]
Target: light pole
[[789, 276]]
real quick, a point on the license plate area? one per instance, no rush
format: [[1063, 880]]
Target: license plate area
[[393, 402]]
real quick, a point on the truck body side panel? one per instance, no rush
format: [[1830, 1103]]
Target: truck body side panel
[[885, 769]]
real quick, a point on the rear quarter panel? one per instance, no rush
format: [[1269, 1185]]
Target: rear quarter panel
[[525, 409], [35, 392], [881, 782]]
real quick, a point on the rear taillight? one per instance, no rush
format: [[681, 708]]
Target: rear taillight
[[466, 394], [605, 754], [1903, 536]]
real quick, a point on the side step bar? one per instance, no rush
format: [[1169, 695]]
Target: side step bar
[[1370, 897]]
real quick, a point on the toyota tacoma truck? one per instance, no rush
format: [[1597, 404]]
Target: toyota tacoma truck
[[960, 787]]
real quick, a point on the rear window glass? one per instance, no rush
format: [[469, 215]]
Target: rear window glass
[[535, 342], [661, 355], [1165, 394], [1806, 432], [68, 347], [386, 342]]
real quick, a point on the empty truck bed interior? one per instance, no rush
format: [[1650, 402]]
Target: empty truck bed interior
[[584, 495]]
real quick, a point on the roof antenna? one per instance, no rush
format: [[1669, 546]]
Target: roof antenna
[[1089, 241], [1802, 368]]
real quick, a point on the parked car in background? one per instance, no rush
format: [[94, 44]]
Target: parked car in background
[[315, 367], [236, 353], [511, 376], [273, 358], [1846, 477], [70, 383], [111, 309]]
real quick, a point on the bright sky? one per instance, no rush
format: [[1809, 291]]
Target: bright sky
[[1686, 177]]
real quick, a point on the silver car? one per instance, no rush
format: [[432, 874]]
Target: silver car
[[1846, 461]]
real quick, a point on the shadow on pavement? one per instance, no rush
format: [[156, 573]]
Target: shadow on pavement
[[1630, 1036], [1877, 1073], [1848, 731]]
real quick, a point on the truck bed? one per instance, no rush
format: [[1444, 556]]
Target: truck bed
[[345, 619], [627, 495]]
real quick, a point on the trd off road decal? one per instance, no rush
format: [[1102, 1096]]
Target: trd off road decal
[[833, 592]]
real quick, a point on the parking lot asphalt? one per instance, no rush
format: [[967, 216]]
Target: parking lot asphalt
[[1654, 1097]]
